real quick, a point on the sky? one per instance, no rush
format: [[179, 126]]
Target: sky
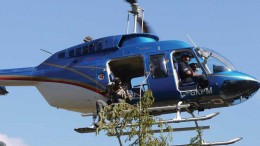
[[228, 27]]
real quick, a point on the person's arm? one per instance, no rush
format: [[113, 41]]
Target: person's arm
[[189, 72]]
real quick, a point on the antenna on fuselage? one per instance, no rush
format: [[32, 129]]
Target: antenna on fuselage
[[46, 51], [192, 41]]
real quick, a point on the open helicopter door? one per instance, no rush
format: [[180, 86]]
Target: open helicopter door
[[131, 71], [161, 79]]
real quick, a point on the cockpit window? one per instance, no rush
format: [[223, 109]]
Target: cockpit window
[[212, 61]]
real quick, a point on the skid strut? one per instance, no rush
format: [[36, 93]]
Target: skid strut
[[202, 142], [178, 113]]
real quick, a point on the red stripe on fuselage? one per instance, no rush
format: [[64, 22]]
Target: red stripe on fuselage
[[42, 79]]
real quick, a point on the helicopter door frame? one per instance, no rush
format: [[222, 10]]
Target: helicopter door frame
[[109, 74], [174, 64], [175, 71], [127, 68]]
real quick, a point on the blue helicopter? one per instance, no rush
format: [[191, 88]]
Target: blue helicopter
[[76, 77]]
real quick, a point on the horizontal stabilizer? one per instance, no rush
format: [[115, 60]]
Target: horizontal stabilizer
[[3, 90]]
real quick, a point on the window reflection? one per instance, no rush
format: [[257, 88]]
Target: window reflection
[[158, 66]]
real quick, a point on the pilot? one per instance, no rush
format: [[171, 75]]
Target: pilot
[[117, 93], [188, 71], [184, 69]]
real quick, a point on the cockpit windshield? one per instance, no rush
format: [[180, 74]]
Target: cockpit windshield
[[213, 62]]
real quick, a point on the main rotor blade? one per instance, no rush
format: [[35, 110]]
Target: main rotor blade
[[131, 1], [146, 27]]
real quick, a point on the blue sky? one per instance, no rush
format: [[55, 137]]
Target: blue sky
[[228, 27]]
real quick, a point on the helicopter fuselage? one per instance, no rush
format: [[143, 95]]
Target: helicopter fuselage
[[76, 77]]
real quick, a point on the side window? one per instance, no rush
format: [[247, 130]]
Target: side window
[[78, 51], [92, 48], [158, 66], [71, 53], [99, 46], [136, 83], [61, 55], [85, 50], [214, 65]]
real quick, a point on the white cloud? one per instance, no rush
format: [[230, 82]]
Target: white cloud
[[11, 141]]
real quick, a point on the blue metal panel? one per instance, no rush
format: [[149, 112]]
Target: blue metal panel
[[18, 71]]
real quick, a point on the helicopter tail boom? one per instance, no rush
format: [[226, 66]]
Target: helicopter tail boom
[[17, 77]]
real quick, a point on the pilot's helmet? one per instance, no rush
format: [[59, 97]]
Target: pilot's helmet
[[117, 81], [186, 54]]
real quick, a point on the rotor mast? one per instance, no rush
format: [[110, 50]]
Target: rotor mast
[[138, 14]]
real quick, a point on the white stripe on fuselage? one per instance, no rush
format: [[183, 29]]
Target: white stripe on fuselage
[[69, 97]]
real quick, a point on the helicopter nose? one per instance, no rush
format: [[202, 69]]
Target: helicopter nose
[[239, 88]]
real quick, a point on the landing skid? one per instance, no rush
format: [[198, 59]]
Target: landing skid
[[93, 129], [177, 119], [207, 117], [180, 120], [174, 129], [232, 141], [86, 130]]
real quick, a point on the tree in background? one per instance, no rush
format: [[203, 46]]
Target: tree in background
[[134, 120]]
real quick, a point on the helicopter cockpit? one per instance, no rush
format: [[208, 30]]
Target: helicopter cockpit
[[203, 62]]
